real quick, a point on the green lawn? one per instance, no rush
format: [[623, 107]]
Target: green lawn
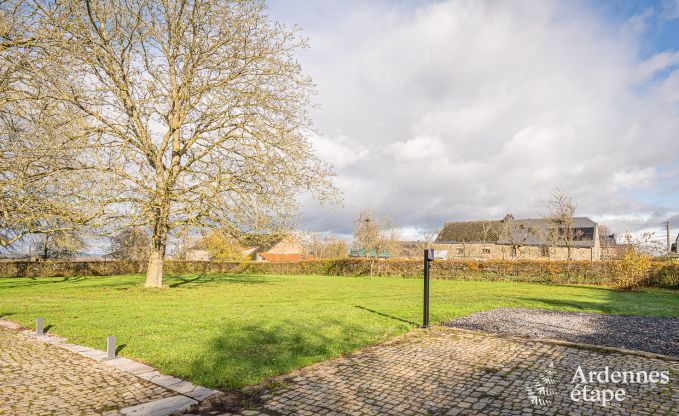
[[234, 330]]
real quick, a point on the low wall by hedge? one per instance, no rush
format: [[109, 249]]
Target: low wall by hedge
[[663, 274]]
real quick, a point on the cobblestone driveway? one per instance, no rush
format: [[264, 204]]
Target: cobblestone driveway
[[455, 372], [37, 378]]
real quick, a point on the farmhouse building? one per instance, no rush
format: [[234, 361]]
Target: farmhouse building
[[258, 247], [283, 249], [525, 239]]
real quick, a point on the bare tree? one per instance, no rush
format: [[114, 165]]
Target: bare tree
[[335, 249], [39, 192], [323, 246], [374, 235], [427, 241], [194, 113], [515, 234], [561, 216], [488, 227], [130, 244], [58, 244], [41, 188]]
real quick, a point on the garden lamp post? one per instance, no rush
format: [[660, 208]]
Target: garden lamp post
[[428, 258]]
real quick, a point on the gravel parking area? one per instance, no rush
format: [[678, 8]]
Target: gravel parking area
[[642, 333]]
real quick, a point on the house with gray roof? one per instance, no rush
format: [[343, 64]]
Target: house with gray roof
[[531, 238]]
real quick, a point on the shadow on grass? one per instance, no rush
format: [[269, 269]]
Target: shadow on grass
[[198, 279], [47, 328], [405, 321], [17, 282], [133, 281], [618, 303], [193, 281], [245, 355]]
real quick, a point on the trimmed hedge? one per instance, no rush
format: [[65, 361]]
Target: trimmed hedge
[[663, 274]]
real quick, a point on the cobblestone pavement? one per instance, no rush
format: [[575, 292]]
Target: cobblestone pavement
[[37, 378], [456, 372]]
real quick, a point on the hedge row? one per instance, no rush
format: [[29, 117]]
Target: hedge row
[[663, 273]]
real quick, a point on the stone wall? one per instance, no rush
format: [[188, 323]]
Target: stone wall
[[492, 251]]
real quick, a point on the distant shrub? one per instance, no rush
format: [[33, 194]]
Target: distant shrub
[[663, 274], [616, 273], [636, 265]]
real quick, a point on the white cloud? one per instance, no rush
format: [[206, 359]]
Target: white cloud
[[469, 109], [418, 148], [635, 178], [339, 150], [658, 62]]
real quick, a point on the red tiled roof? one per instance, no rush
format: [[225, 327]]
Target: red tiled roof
[[277, 258]]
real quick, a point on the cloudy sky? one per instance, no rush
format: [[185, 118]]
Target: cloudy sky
[[451, 110]]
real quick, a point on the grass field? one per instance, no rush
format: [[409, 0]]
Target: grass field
[[234, 330]]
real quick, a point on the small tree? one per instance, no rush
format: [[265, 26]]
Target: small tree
[[130, 244], [58, 244], [514, 234], [561, 217], [221, 246], [321, 246], [336, 249], [488, 227], [374, 235]]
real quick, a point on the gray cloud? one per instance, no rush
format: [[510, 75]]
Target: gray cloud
[[470, 109]]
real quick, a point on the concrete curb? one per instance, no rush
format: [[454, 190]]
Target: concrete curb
[[161, 407], [188, 394]]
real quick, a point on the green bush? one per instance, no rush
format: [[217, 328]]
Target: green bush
[[659, 273]]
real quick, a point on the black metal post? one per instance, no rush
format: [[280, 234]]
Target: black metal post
[[428, 257]]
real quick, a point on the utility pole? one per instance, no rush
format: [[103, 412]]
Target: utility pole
[[669, 244]]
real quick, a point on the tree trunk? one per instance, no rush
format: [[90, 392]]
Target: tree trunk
[[154, 273], [46, 241]]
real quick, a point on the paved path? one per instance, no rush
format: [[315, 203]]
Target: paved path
[[38, 378], [444, 371], [46, 376], [457, 372]]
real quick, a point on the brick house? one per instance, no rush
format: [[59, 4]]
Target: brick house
[[259, 247], [525, 239], [282, 249]]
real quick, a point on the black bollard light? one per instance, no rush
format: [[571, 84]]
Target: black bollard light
[[428, 258]]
